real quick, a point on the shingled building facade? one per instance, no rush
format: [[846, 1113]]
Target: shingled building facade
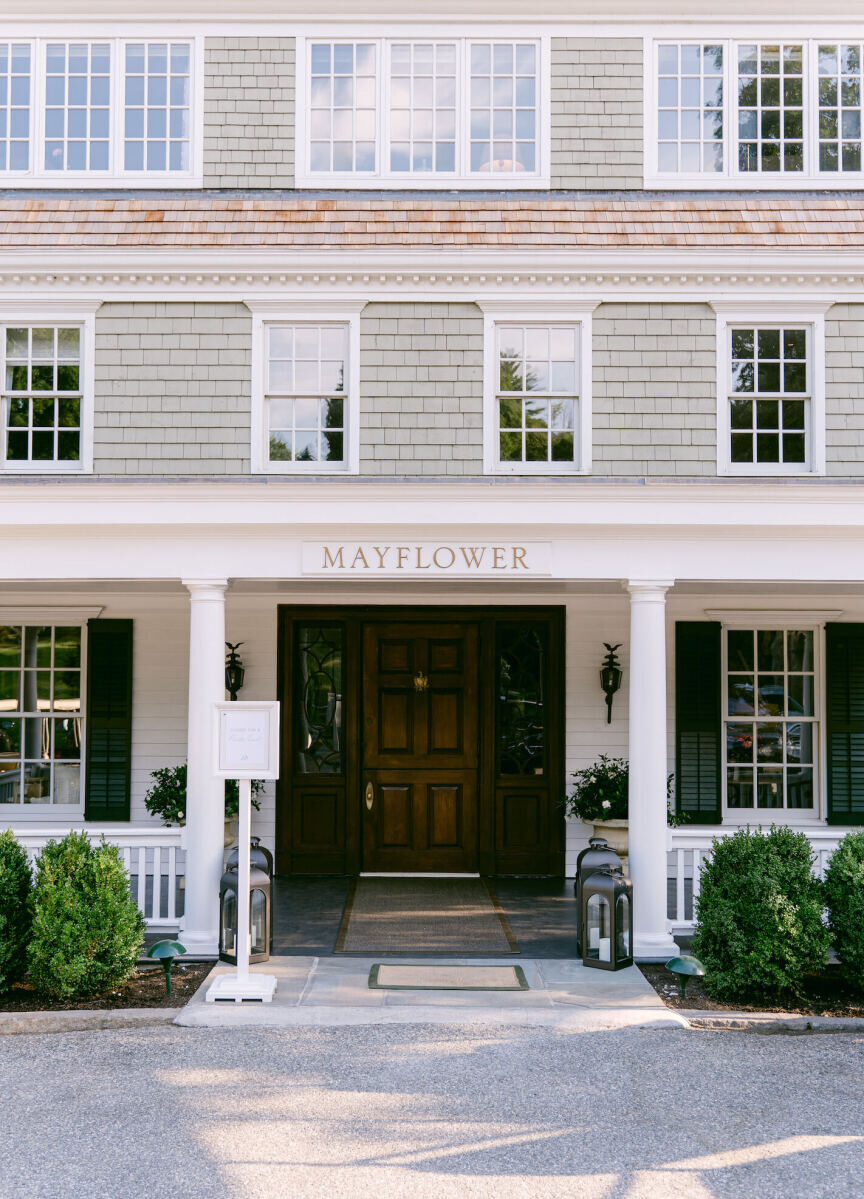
[[423, 357]]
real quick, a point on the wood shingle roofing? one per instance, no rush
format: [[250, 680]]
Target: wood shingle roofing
[[294, 220]]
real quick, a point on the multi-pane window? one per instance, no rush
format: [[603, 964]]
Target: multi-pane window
[[461, 109], [840, 85], [769, 401], [690, 108], [89, 109], [157, 99], [15, 69], [785, 111], [40, 714], [770, 722], [537, 396], [306, 394], [42, 395]]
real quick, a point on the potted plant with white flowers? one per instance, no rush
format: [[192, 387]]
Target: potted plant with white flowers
[[599, 797], [167, 798]]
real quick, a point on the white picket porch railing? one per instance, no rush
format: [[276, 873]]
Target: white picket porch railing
[[687, 851], [154, 859]]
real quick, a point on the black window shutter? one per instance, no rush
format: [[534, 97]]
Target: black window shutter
[[844, 685], [108, 758], [698, 724]]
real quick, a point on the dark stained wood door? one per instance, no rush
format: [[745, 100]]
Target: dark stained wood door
[[421, 752]]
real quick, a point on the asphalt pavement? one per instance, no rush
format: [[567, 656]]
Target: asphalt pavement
[[419, 1110]]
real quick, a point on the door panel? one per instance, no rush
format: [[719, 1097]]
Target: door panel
[[420, 744]]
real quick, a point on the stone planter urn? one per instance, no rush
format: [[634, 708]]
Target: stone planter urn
[[616, 835], [231, 823]]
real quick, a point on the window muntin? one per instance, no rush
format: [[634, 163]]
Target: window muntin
[[40, 714], [840, 98], [42, 395], [399, 109], [95, 109], [537, 395], [770, 722], [306, 398], [15, 83], [769, 396], [690, 108], [789, 111]]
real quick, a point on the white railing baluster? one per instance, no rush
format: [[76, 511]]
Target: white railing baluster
[[156, 906], [170, 915], [680, 913]]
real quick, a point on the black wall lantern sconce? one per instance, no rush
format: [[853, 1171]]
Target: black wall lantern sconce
[[234, 672], [611, 675]]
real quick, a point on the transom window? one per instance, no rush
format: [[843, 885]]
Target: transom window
[[42, 395], [537, 395], [464, 110], [306, 395], [87, 109], [40, 714], [770, 719], [786, 111], [769, 396]]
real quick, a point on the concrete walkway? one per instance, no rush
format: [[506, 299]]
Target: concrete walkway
[[563, 994]]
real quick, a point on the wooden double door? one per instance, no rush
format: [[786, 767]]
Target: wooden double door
[[421, 740], [421, 747]]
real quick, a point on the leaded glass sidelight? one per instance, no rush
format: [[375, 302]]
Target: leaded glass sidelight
[[319, 658], [521, 717]]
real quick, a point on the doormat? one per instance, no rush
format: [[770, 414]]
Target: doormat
[[454, 916], [447, 978]]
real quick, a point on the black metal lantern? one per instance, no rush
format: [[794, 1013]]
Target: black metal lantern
[[611, 675], [598, 856], [260, 902], [234, 671], [258, 856], [607, 920]]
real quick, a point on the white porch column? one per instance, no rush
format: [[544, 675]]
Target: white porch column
[[647, 808], [205, 811]]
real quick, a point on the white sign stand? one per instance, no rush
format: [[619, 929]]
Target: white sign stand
[[247, 740]]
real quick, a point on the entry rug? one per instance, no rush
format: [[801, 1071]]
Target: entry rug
[[394, 977], [453, 916]]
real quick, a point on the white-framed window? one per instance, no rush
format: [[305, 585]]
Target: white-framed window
[[41, 713], [771, 720], [90, 110], [784, 112], [771, 392], [418, 111], [46, 390], [305, 387], [537, 390]]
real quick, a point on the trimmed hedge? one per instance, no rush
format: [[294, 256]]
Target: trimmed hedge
[[759, 922], [844, 895], [16, 909], [87, 930]]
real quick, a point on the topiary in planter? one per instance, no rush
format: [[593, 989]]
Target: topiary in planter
[[16, 909], [87, 931], [844, 895], [759, 922]]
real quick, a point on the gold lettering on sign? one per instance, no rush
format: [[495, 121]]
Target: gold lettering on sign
[[333, 560], [519, 553], [424, 557], [381, 553], [402, 552], [473, 555], [421, 565], [498, 562], [360, 557], [448, 549]]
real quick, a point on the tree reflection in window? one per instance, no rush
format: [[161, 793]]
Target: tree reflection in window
[[318, 699], [520, 725]]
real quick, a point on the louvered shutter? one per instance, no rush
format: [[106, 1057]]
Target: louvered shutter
[[698, 726], [844, 685], [108, 759]]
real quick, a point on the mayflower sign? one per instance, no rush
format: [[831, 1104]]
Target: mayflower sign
[[426, 558]]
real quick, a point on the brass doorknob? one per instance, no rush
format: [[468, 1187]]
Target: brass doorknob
[[370, 796]]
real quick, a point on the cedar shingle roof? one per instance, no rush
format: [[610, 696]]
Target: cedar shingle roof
[[294, 220]]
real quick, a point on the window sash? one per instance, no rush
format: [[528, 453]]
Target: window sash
[[302, 412], [811, 170], [387, 121], [45, 119], [61, 399]]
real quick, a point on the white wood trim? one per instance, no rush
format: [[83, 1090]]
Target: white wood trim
[[786, 618], [49, 615]]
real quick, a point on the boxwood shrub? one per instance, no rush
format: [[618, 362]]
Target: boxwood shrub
[[16, 910], [87, 931], [844, 895], [759, 925]]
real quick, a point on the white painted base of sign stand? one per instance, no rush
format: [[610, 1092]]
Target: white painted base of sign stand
[[255, 988]]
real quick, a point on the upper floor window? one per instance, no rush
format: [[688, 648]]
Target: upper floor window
[[784, 112], [462, 111], [91, 111]]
